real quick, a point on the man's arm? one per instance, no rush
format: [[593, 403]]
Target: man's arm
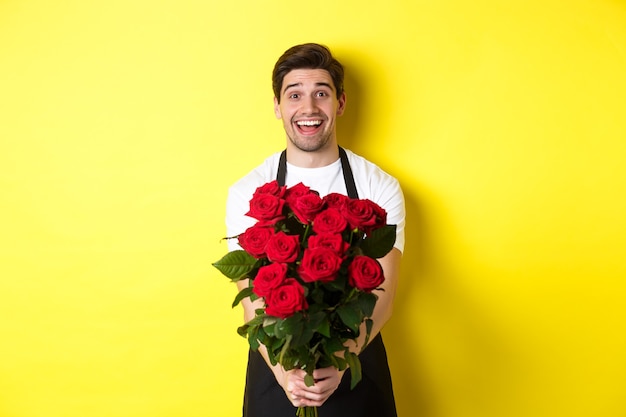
[[327, 379], [384, 305], [292, 381]]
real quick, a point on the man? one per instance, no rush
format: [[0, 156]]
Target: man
[[308, 98]]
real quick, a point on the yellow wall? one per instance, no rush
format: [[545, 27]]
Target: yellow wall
[[122, 123]]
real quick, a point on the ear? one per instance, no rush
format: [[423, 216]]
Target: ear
[[277, 109], [342, 104]]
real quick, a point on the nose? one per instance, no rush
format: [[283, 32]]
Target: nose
[[309, 106]]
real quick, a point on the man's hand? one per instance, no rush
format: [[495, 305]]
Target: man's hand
[[326, 382]]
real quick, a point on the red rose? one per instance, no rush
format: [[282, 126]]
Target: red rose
[[286, 299], [362, 214], [254, 240], [269, 277], [295, 192], [266, 207], [332, 241], [283, 247], [306, 207], [329, 221], [335, 200], [365, 273], [271, 188], [319, 264], [381, 216]]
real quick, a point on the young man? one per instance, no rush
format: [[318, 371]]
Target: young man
[[308, 98]]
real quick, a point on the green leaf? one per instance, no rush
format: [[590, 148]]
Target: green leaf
[[276, 344], [349, 317], [339, 283], [284, 350], [242, 330], [269, 324], [380, 242], [355, 368], [291, 325], [253, 331], [315, 319], [304, 337], [367, 302], [257, 321], [337, 362], [246, 292], [273, 359], [308, 380], [324, 327], [278, 332], [333, 345], [368, 330], [261, 335], [236, 264], [317, 296]]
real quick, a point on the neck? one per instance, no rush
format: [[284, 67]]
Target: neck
[[316, 159]]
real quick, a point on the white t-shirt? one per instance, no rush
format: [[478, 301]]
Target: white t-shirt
[[372, 183]]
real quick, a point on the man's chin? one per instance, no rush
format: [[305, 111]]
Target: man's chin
[[309, 144]]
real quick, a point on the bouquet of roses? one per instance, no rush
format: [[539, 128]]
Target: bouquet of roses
[[313, 262]]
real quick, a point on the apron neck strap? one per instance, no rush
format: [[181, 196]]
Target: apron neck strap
[[348, 177]]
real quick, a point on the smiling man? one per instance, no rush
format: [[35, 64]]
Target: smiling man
[[309, 98], [309, 104]]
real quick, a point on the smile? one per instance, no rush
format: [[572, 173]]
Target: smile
[[309, 123]]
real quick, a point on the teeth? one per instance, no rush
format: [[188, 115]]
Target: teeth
[[309, 122]]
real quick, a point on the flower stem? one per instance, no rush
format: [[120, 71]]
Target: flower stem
[[305, 235], [307, 412]]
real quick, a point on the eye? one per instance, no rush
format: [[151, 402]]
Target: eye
[[321, 94], [294, 96]]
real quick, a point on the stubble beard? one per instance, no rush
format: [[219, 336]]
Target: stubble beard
[[309, 143]]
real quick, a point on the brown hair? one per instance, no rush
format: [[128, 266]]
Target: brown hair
[[307, 56]]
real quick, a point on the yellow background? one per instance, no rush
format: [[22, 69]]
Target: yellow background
[[122, 123]]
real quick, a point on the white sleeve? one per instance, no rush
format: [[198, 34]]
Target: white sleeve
[[239, 195], [391, 198], [237, 205]]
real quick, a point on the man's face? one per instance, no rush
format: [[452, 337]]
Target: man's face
[[308, 108]]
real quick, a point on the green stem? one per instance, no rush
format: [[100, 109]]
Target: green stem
[[306, 233], [307, 412], [352, 294]]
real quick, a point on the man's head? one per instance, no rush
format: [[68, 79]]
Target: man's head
[[307, 56]]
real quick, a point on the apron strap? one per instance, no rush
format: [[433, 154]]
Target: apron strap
[[347, 174], [348, 177], [282, 168]]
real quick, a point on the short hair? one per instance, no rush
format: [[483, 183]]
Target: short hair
[[307, 56]]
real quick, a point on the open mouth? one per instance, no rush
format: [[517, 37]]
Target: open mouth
[[308, 126]]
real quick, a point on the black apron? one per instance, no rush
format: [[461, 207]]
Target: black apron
[[373, 395]]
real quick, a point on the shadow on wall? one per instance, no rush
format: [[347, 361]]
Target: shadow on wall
[[363, 98], [411, 389], [348, 127]]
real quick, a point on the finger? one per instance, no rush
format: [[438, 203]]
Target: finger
[[322, 387], [309, 399], [317, 388], [324, 373], [298, 373], [301, 384], [298, 401]]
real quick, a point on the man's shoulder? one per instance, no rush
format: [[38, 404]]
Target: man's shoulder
[[363, 167]]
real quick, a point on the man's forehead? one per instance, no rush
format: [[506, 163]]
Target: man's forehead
[[307, 76]]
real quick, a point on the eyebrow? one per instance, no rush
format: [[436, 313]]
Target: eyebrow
[[320, 84]]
